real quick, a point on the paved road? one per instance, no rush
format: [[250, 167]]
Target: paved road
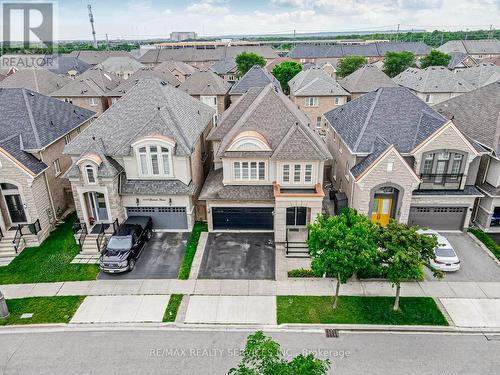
[[213, 352]]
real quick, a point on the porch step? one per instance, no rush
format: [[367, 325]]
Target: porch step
[[296, 250]]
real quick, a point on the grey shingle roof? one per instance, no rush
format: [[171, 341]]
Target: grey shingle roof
[[149, 108], [57, 64], [39, 80], [456, 58], [170, 66], [143, 73], [305, 51], [120, 64], [378, 148], [481, 75], [97, 57], [473, 47], [365, 79], [255, 77], [13, 145], [432, 79], [155, 187], [394, 114], [314, 81], [224, 66], [93, 82], [476, 114], [205, 82]]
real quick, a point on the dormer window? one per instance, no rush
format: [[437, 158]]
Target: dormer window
[[90, 174], [155, 160]]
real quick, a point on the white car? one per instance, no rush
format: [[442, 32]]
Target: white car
[[446, 257]]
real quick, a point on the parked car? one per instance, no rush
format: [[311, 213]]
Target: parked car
[[124, 248], [446, 257]]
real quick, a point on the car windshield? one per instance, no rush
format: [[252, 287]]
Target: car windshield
[[116, 244], [445, 253]]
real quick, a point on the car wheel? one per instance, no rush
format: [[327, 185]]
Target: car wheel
[[149, 235], [131, 264]]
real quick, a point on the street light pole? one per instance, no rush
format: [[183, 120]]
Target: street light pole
[[4, 311]]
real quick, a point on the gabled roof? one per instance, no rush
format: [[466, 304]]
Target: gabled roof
[[170, 66], [224, 66], [255, 77], [39, 80], [472, 47], [62, 64], [456, 59], [97, 57], [314, 81], [149, 108], [120, 64], [305, 51], [379, 146], [143, 73], [365, 79], [481, 75], [278, 60], [271, 114], [30, 121], [432, 79], [394, 114], [205, 82], [476, 114], [94, 82]]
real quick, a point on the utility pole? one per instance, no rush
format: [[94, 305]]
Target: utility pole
[[490, 34], [91, 18], [411, 35], [107, 42], [397, 34], [466, 31], [4, 311], [293, 37]]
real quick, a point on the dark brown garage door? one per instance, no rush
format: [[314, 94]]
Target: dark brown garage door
[[439, 218]]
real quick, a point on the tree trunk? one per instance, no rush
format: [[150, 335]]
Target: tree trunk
[[396, 301], [4, 311], [337, 288]]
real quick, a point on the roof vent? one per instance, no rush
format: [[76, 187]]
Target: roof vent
[[163, 83], [93, 137]]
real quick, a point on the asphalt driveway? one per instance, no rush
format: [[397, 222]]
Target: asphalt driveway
[[247, 256], [160, 259], [475, 264]]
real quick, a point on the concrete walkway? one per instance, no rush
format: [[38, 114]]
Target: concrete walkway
[[475, 313]]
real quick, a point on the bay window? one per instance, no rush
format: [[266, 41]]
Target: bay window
[[249, 170], [155, 161]]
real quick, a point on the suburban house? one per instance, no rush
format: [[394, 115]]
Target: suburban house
[[90, 90], [255, 77], [394, 157], [478, 49], [94, 58], [210, 89], [491, 60], [366, 79], [477, 115], [268, 168], [433, 84], [271, 64], [121, 66], [179, 69], [330, 69], [38, 80], [33, 131], [460, 61], [481, 75], [144, 156], [226, 69], [315, 93]]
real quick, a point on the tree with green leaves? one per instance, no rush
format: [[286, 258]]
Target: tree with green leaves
[[435, 58], [350, 64], [405, 252], [341, 245], [263, 356], [397, 62], [284, 72], [245, 60]]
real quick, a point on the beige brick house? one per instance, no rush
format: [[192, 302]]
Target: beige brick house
[[179, 69]]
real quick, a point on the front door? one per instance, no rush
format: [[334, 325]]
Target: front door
[[15, 208], [381, 213], [98, 206]]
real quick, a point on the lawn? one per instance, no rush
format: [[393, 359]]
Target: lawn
[[44, 310], [358, 310], [49, 262], [487, 241], [172, 308], [187, 262]]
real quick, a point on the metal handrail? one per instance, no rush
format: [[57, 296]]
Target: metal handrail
[[445, 178], [1, 234], [83, 235], [115, 226], [100, 237], [17, 238]]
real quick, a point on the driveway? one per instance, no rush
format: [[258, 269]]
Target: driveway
[[475, 264], [248, 256], [160, 259]]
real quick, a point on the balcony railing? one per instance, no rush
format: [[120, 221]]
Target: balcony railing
[[436, 181]]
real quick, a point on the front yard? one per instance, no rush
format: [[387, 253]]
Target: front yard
[[488, 241], [49, 262]]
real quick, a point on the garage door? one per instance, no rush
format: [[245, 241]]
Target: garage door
[[440, 218], [249, 218], [163, 217]]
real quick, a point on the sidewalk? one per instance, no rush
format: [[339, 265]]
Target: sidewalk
[[437, 289]]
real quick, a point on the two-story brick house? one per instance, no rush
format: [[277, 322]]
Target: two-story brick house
[[396, 158]]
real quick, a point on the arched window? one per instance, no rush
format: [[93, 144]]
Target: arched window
[[90, 174], [155, 160]]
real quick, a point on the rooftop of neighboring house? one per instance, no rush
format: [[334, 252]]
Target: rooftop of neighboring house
[[432, 79], [278, 60], [480, 75], [120, 64], [255, 77], [143, 73], [182, 67], [365, 79], [304, 51], [476, 114], [224, 66], [97, 57], [456, 59], [314, 81], [57, 64], [39, 80], [472, 47], [205, 82], [491, 60], [30, 121], [94, 82]]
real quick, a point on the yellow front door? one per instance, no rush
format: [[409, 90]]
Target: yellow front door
[[382, 211]]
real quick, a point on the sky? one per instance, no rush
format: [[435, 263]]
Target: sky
[[151, 19]]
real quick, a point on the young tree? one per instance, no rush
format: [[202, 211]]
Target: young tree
[[397, 62], [284, 72], [404, 253], [435, 58], [341, 245], [350, 64], [262, 356], [245, 60]]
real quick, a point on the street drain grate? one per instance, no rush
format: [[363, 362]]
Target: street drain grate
[[331, 333]]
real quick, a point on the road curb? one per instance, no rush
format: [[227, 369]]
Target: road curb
[[484, 247]]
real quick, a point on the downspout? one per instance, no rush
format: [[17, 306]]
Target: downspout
[[48, 190]]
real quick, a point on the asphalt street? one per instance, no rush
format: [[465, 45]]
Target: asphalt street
[[162, 351]]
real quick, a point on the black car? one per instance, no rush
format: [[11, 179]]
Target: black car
[[126, 245]]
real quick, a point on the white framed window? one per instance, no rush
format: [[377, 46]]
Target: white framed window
[[57, 167], [390, 166], [155, 160], [311, 102], [90, 174], [209, 100], [93, 102], [428, 162], [334, 170], [67, 139], [318, 122], [68, 100], [249, 170], [286, 173], [297, 168], [297, 173], [456, 164], [113, 100], [346, 174], [308, 173], [428, 98], [338, 100]]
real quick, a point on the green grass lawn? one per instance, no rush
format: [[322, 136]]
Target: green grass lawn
[[192, 244], [358, 310], [49, 262], [172, 308], [487, 241], [44, 310]]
